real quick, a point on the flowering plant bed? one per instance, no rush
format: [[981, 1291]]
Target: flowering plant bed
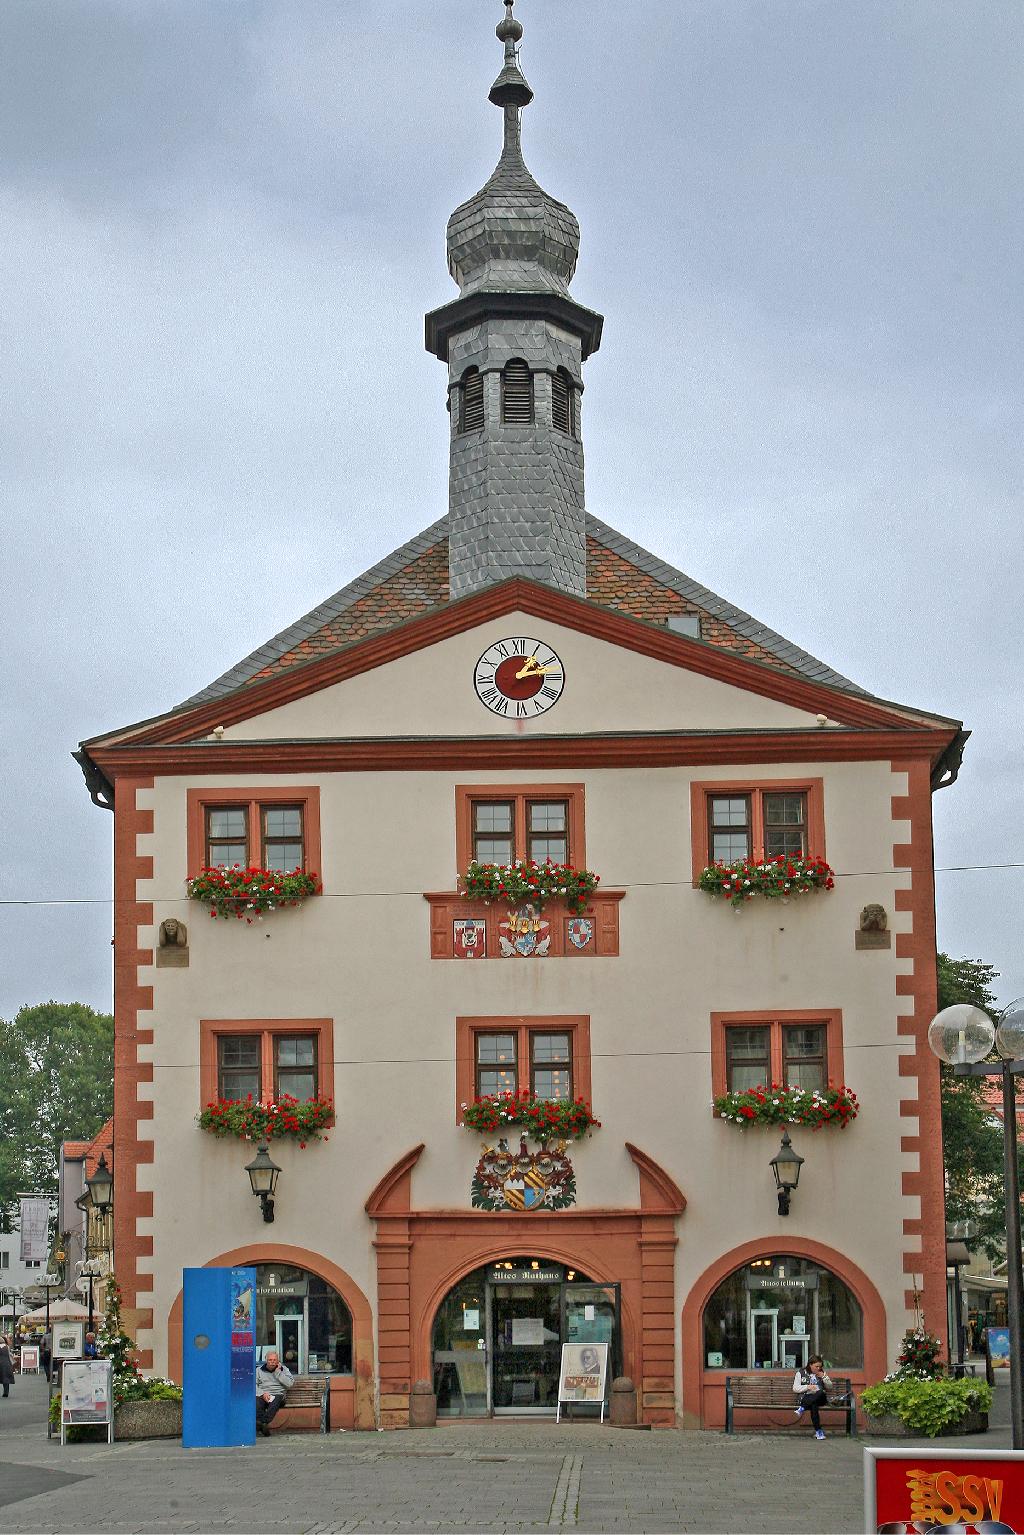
[[929, 1407], [778, 1105], [775, 878], [251, 1121], [529, 881], [544, 1118], [238, 892]]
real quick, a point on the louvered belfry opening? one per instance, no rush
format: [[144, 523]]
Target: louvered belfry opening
[[516, 393], [562, 403], [471, 401]]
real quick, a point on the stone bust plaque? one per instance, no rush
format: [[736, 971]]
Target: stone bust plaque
[[873, 932], [172, 948]]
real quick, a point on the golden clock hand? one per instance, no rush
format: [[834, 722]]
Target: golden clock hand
[[530, 669]]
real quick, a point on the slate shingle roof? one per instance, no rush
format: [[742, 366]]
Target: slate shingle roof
[[414, 580]]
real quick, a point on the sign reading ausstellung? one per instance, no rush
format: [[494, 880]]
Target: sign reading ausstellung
[[780, 1282], [920, 1489]]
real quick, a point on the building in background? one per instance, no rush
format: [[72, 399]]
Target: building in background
[[522, 682]]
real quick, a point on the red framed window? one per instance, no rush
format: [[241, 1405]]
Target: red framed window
[[266, 1057], [798, 1048], [497, 823], [272, 828], [734, 820], [550, 1056]]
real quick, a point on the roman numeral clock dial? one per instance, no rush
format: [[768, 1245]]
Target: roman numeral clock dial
[[519, 678]]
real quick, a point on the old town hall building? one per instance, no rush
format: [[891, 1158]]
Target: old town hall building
[[521, 682]]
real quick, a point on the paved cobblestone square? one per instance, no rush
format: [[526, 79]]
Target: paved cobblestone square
[[512, 1476]]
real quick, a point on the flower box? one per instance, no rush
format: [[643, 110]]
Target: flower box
[[287, 1118], [777, 1105], [531, 882], [545, 1119], [908, 1408], [778, 878], [248, 893], [148, 1420]]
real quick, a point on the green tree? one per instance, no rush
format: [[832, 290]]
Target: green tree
[[58, 1085], [972, 1133]]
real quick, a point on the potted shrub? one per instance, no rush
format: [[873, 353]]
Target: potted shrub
[[918, 1400]]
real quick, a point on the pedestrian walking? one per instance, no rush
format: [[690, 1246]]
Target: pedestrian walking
[[811, 1387], [6, 1367]]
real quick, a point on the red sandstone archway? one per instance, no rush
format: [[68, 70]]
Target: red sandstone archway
[[362, 1412], [704, 1390], [421, 1253], [494, 1252]]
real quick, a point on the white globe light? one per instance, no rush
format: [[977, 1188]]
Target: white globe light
[[961, 1034], [1010, 1032]]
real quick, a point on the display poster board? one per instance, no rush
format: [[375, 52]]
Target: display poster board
[[29, 1364], [997, 1347], [909, 1490], [87, 1395], [68, 1340], [583, 1375]]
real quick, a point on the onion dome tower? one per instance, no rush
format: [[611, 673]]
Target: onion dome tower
[[515, 343]]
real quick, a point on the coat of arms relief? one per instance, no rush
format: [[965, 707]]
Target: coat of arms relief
[[524, 1179]]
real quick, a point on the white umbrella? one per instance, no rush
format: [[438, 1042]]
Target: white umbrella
[[60, 1310]]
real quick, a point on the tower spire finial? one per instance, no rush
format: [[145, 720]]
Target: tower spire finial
[[510, 89]]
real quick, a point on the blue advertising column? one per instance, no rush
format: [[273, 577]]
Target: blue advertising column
[[219, 1357]]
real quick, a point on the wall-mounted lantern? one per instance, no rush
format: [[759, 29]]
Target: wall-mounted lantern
[[263, 1176], [786, 1165]]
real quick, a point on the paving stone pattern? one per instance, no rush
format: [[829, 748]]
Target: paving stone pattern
[[512, 1476]]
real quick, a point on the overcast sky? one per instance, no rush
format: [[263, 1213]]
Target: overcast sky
[[221, 222]]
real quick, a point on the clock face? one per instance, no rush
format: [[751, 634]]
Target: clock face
[[519, 678]]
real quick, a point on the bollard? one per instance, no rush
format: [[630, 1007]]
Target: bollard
[[423, 1406], [623, 1404]]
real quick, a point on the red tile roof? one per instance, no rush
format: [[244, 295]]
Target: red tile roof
[[612, 581], [102, 1143]]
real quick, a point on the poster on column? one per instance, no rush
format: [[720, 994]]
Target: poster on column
[[910, 1490], [243, 1337]]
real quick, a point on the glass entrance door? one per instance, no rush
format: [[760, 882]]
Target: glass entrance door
[[291, 1342], [526, 1347]]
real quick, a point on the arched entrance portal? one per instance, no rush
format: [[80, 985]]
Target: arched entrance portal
[[498, 1334]]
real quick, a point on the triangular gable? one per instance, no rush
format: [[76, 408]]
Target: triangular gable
[[544, 603]]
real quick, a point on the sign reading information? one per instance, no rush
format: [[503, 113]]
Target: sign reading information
[[583, 1373], [910, 1490]]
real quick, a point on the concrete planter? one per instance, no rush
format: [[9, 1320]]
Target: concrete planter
[[147, 1420], [891, 1427]]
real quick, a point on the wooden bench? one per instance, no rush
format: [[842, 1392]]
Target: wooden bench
[[306, 1408], [761, 1393]]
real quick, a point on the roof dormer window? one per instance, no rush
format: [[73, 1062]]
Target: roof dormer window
[[516, 393]]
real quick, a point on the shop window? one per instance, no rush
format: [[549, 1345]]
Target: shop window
[[274, 828], [777, 1312], [304, 1319], [498, 824], [730, 821], [548, 1056], [266, 1057], [800, 1049]]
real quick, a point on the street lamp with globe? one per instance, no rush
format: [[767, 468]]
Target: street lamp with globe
[[963, 1037]]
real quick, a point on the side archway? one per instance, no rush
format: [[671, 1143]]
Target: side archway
[[301, 1257], [703, 1396]]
